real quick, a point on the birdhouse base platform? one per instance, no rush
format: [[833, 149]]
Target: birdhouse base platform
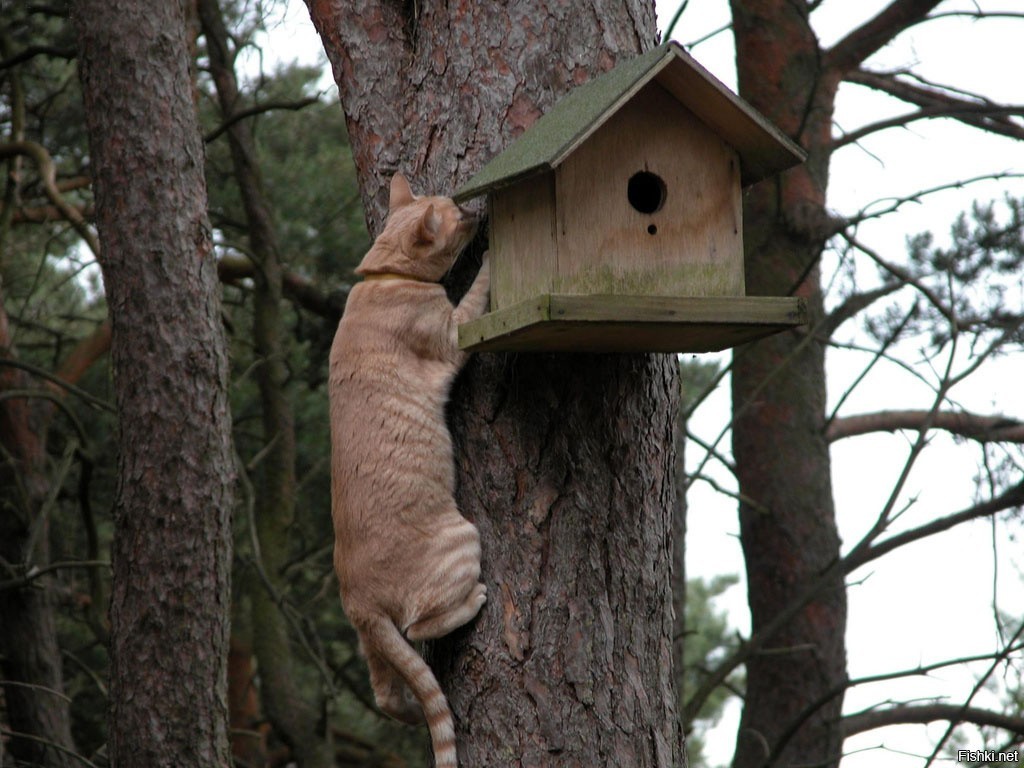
[[616, 323]]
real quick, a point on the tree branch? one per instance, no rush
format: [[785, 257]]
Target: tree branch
[[929, 713], [874, 34], [41, 214], [903, 276], [31, 51], [48, 173], [920, 670], [1014, 497], [936, 102], [296, 287], [895, 203], [85, 353], [854, 304], [984, 429], [259, 109], [963, 112]]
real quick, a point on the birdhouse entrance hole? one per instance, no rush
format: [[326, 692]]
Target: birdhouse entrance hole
[[646, 193], [591, 251]]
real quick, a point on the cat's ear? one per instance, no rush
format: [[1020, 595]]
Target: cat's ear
[[401, 192], [430, 225]]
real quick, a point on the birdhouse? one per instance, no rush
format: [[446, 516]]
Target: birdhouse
[[616, 219]]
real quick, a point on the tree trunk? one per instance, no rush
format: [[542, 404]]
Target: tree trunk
[[172, 534], [779, 403], [679, 510], [296, 720], [565, 462]]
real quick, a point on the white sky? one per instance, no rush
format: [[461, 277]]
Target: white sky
[[932, 600]]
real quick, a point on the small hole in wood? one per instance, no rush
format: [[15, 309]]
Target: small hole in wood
[[646, 192], [652, 230]]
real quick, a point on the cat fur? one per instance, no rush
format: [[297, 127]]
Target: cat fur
[[407, 561]]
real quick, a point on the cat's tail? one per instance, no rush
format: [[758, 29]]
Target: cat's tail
[[396, 650]]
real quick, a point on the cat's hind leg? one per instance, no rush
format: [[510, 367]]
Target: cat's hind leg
[[392, 694], [440, 624]]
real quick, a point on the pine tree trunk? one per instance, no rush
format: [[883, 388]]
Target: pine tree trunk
[[565, 462], [172, 537], [297, 721], [790, 540]]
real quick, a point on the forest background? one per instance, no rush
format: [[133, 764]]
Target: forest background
[[54, 312]]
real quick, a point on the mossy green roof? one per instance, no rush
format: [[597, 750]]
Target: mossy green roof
[[763, 149]]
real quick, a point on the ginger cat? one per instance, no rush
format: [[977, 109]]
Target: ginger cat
[[408, 562]]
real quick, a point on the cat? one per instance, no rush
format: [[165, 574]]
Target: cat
[[407, 561]]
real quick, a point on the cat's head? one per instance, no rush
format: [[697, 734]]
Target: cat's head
[[422, 236]]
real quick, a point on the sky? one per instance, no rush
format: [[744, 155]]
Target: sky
[[934, 599]]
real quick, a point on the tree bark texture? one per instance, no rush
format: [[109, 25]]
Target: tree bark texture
[[790, 540], [295, 719], [565, 462], [170, 600]]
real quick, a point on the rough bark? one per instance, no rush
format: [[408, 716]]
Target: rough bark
[[564, 462], [779, 403], [295, 719], [172, 535], [679, 510]]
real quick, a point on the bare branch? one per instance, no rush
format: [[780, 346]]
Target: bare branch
[[259, 109], [876, 33], [978, 685], [895, 203], [920, 670], [879, 354], [31, 51], [903, 275], [42, 214], [81, 393], [929, 713], [976, 15], [34, 573], [962, 112], [1014, 497], [854, 304], [85, 353], [984, 429], [937, 101]]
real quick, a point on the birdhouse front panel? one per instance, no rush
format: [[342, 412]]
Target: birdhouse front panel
[[650, 205], [522, 240]]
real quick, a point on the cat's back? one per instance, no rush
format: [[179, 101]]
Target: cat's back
[[387, 393]]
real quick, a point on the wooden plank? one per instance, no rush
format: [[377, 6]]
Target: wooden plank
[[691, 246], [613, 323], [522, 241], [504, 322]]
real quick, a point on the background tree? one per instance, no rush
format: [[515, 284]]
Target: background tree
[[172, 541], [564, 464], [794, 657]]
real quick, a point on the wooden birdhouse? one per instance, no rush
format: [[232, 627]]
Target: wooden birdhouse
[[615, 220]]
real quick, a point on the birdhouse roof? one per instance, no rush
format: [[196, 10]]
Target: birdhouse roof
[[763, 149]]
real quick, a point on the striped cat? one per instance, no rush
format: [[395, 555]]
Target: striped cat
[[407, 561]]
